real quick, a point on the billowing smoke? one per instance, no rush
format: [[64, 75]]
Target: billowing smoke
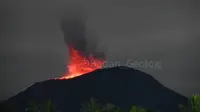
[[73, 25]]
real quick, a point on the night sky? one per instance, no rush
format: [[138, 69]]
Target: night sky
[[33, 47]]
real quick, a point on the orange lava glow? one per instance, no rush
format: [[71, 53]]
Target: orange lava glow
[[79, 64]]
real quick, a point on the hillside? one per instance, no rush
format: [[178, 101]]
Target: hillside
[[122, 86]]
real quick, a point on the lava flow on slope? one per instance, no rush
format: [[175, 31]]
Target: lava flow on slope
[[80, 64]]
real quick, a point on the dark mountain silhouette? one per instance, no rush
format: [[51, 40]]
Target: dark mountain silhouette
[[121, 86]]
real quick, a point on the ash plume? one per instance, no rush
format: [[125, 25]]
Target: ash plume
[[73, 26]]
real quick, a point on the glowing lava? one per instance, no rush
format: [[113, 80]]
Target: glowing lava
[[79, 64]]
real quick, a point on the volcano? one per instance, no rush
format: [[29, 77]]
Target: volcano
[[121, 86]]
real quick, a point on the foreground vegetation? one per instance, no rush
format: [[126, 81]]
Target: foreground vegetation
[[94, 106]]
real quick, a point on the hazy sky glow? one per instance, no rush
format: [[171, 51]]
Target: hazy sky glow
[[33, 48]]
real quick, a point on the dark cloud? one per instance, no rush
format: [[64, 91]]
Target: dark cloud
[[76, 34]]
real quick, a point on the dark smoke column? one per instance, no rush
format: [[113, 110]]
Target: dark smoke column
[[73, 25]]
